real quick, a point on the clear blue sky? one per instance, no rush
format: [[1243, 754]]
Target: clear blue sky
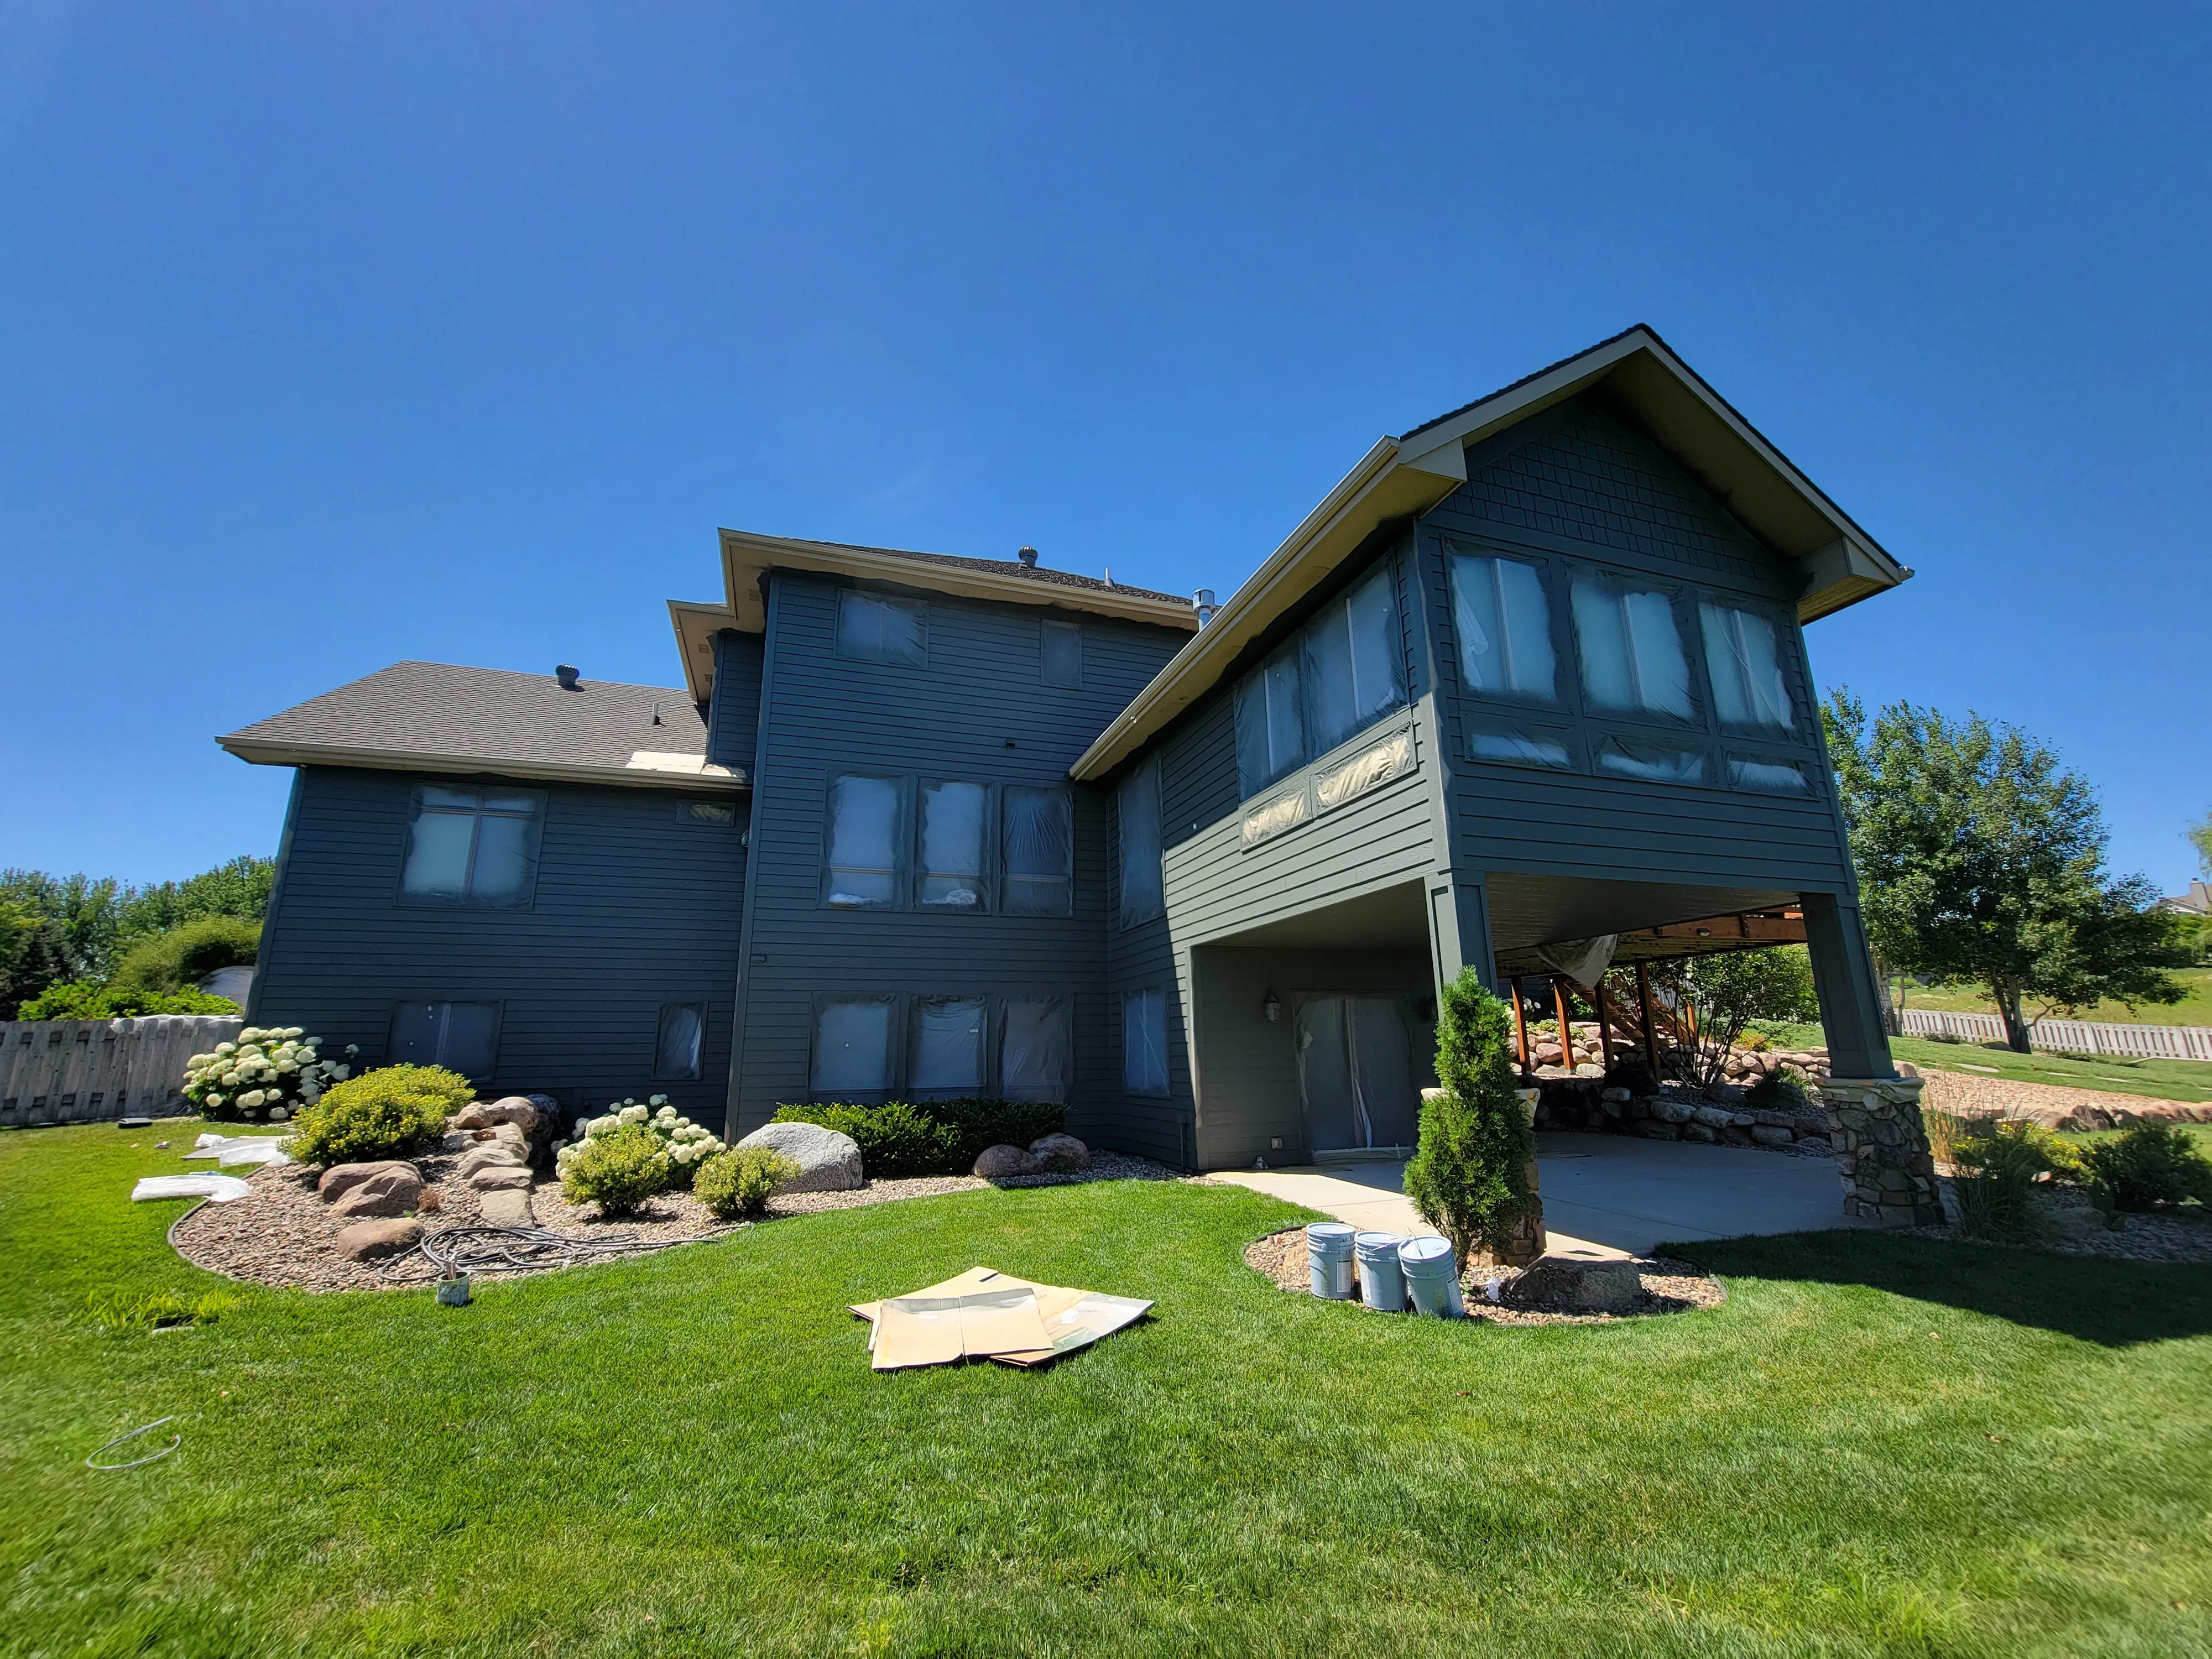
[[333, 335]]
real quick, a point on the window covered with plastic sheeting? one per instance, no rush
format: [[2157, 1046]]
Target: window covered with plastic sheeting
[[851, 1046], [1036, 1049], [954, 819], [461, 1036], [1136, 819], [945, 1051], [1271, 818], [1060, 661], [1743, 656], [1632, 657], [863, 872], [1653, 762], [1369, 769], [1769, 777], [1271, 730], [1145, 1042], [1037, 851], [872, 628], [1352, 657], [476, 846], [675, 1049], [1510, 743], [1504, 620]]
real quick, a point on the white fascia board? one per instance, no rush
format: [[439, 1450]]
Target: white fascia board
[[717, 778]]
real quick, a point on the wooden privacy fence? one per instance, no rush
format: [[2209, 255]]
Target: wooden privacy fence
[[2081, 1035], [91, 1071]]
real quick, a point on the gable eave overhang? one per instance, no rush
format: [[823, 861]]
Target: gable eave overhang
[[1839, 563], [696, 621], [258, 751]]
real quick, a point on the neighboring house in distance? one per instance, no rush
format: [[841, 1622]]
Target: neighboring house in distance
[[923, 826], [2196, 901]]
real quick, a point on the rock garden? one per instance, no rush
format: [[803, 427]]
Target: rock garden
[[402, 1177]]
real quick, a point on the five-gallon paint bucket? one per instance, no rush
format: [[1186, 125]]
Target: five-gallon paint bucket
[[1432, 1277], [1382, 1281], [1328, 1259]]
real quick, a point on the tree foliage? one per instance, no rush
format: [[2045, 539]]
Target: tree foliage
[[85, 926], [187, 954], [2200, 837], [1469, 1177], [1724, 991], [1980, 859]]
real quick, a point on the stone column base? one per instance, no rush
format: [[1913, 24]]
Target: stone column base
[[1529, 1240], [1881, 1150]]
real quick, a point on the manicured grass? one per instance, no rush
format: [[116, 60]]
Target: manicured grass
[[2159, 1079], [1877, 1446], [2195, 1009]]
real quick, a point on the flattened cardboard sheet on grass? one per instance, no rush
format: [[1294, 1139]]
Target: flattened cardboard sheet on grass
[[1066, 1320]]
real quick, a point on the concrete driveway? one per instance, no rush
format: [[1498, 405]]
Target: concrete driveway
[[1603, 1195]]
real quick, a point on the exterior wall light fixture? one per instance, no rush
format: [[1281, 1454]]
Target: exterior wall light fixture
[[1273, 1007]]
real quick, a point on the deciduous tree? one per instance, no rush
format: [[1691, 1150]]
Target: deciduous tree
[[1981, 858]]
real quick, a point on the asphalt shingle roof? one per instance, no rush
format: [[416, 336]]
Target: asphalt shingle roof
[[485, 715]]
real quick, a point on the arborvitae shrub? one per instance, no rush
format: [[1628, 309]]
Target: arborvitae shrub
[[1469, 1177]]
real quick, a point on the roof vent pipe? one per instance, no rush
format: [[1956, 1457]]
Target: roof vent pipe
[[566, 676], [1202, 602], [1028, 556]]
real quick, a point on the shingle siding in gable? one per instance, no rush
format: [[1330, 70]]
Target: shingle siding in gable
[[1585, 473], [633, 908]]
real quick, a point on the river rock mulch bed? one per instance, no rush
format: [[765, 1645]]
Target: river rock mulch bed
[[2186, 1236], [285, 1235], [1670, 1286]]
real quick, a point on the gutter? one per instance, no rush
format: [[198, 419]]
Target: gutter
[[649, 775]]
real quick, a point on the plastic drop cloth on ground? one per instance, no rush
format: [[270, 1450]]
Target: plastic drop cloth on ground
[[1067, 1319], [228, 1151], [222, 1188]]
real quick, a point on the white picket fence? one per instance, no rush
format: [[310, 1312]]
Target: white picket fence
[[93, 1071], [2081, 1035]]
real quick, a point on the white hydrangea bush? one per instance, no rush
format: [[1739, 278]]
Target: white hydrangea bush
[[687, 1145], [265, 1076]]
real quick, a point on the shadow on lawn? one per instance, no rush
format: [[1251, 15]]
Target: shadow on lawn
[[2098, 1299]]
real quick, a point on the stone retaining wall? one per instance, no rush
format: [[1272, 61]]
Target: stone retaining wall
[[1584, 1104]]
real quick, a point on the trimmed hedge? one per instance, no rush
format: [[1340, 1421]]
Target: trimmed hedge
[[903, 1139]]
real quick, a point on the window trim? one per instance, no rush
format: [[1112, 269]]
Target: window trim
[[986, 851], [534, 842], [1066, 797], [894, 1045]]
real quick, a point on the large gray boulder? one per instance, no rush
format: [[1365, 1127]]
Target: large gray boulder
[[1060, 1154], [997, 1162], [828, 1161]]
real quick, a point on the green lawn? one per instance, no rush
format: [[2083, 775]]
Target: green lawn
[[2195, 1009], [1877, 1446], [2160, 1080]]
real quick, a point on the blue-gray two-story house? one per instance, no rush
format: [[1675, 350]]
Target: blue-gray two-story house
[[920, 826]]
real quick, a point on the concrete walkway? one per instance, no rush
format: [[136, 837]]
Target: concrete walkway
[[1604, 1195]]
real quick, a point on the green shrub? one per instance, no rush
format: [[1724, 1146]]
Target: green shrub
[[80, 999], [1944, 1036], [267, 1074], [896, 1139], [394, 1111], [738, 1182], [902, 1139], [2148, 1166], [1996, 1167], [978, 1122], [1782, 1091], [180, 958], [687, 1145], [617, 1171], [1469, 1177]]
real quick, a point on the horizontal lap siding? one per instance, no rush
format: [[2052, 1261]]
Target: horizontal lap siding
[[1583, 481], [951, 719], [734, 710], [632, 908]]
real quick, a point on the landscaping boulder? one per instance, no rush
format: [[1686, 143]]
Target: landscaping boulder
[[388, 1192], [1703, 1132], [506, 1207], [1611, 1286], [828, 1162], [2066, 1215], [490, 1156], [1769, 1134], [483, 1114], [997, 1162], [492, 1177], [1061, 1154], [365, 1241], [1668, 1109], [340, 1178]]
